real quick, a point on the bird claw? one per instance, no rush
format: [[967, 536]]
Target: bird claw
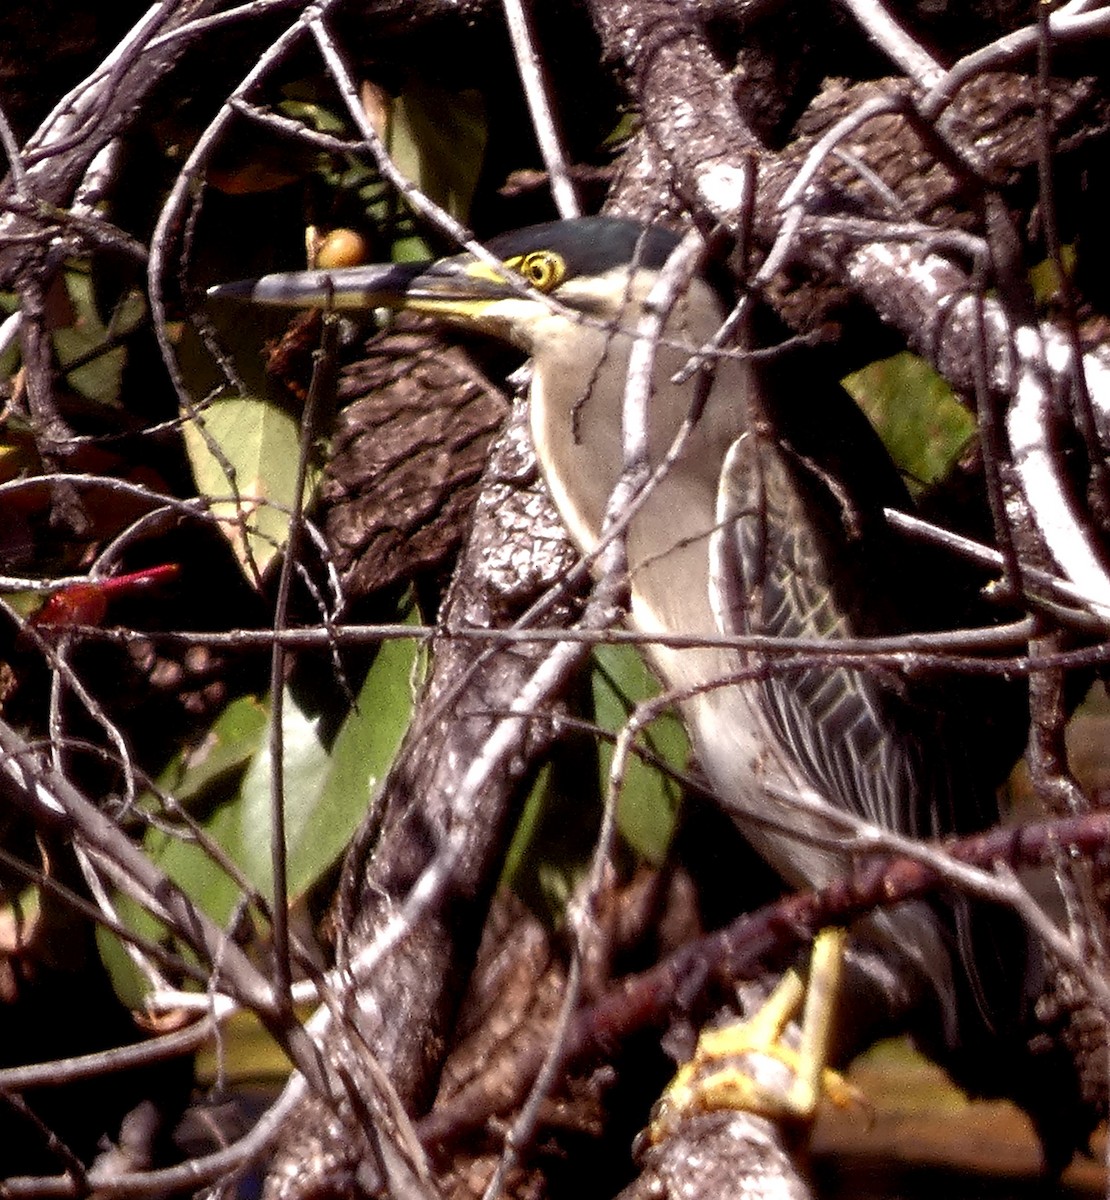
[[747, 1066]]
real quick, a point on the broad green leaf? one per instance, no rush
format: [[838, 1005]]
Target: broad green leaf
[[261, 443], [925, 428], [649, 797], [127, 982], [361, 755], [225, 783], [327, 790], [305, 762], [245, 1054], [438, 140], [98, 379], [228, 746], [201, 780], [200, 777], [244, 449], [241, 824], [557, 831], [527, 829]]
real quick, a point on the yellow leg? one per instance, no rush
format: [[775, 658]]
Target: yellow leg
[[714, 1079]]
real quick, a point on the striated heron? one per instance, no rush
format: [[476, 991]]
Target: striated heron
[[768, 521]]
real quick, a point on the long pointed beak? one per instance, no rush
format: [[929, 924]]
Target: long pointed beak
[[380, 285], [443, 286]]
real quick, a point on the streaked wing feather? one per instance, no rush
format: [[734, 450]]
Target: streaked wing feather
[[864, 741], [840, 724]]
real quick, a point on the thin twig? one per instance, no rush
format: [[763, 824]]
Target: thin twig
[[883, 29], [539, 105]]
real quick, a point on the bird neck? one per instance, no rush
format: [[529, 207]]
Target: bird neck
[[578, 409]]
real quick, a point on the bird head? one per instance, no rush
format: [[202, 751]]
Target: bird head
[[547, 280]]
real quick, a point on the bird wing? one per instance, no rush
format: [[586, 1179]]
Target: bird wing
[[775, 562], [786, 560]]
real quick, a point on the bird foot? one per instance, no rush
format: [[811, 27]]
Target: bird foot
[[748, 1066]]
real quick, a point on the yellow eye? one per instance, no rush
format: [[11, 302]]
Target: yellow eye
[[544, 269]]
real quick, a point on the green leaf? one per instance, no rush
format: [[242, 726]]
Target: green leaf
[[360, 757], [98, 379], [245, 1054], [247, 836], [127, 982], [1045, 279], [925, 428], [316, 116], [649, 796], [557, 831], [200, 778], [438, 140], [225, 781], [327, 790], [556, 835], [526, 832], [260, 442], [227, 747]]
